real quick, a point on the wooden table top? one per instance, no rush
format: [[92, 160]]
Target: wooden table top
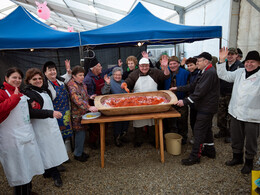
[[172, 113]]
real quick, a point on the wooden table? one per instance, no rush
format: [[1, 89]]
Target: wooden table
[[158, 117]]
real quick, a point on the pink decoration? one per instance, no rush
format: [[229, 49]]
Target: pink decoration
[[70, 29], [42, 10]]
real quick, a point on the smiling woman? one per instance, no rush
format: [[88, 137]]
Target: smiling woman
[[21, 154], [45, 125], [79, 106]]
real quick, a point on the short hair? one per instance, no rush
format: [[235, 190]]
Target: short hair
[[191, 60], [30, 73], [164, 55], [173, 58], [13, 70], [117, 69], [77, 69], [132, 58], [49, 64]]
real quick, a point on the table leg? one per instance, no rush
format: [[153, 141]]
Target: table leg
[[161, 139], [102, 144], [156, 133]]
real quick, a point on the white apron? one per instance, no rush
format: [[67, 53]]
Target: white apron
[[19, 152], [49, 138], [144, 84]]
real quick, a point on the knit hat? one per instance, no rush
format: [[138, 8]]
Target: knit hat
[[253, 55], [205, 55], [239, 52], [144, 61], [90, 63]]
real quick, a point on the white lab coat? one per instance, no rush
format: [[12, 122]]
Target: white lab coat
[[19, 152], [49, 138], [144, 84], [245, 100]]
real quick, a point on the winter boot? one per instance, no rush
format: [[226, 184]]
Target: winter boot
[[190, 161], [209, 151], [237, 160], [248, 166]]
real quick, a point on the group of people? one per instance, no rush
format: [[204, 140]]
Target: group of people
[[35, 121], [233, 89]]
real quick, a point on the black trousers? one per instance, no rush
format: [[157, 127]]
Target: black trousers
[[193, 115], [52, 172], [202, 133], [23, 189], [244, 134]]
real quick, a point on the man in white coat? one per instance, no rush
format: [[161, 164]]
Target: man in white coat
[[244, 108]]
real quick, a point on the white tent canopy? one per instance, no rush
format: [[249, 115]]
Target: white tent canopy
[[91, 14], [239, 19]]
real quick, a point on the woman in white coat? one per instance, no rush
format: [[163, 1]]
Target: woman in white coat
[[19, 152], [244, 108], [45, 125]]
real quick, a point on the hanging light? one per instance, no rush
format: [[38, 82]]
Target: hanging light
[[139, 44]]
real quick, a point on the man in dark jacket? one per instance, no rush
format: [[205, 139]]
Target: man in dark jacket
[[205, 99], [223, 118]]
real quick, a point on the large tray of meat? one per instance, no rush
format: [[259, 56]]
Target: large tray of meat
[[135, 103]]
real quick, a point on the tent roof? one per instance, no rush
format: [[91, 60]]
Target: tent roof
[[85, 15], [21, 30], [141, 25]]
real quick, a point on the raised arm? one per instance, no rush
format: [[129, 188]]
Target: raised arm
[[222, 72]]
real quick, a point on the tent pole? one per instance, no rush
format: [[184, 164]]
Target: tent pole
[[119, 53], [81, 56], [220, 43], [58, 59]]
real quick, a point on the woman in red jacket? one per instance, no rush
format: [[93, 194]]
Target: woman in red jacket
[[19, 152]]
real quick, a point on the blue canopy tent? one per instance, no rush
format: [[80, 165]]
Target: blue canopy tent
[[21, 30], [141, 25]]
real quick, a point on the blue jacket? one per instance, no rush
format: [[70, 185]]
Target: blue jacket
[[181, 79], [113, 88]]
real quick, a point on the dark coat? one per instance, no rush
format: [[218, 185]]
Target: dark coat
[[206, 91], [31, 92]]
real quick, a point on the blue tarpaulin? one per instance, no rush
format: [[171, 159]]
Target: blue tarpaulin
[[141, 25], [21, 30]]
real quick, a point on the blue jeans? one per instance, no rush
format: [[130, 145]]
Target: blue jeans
[[79, 142]]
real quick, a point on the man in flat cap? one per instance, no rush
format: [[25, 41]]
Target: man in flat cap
[[179, 77], [223, 118], [95, 81], [205, 99], [244, 108]]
